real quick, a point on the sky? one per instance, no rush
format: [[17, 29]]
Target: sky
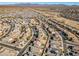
[[65, 3]]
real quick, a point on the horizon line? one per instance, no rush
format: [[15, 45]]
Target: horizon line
[[41, 3]]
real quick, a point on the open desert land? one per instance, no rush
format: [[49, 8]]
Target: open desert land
[[39, 30]]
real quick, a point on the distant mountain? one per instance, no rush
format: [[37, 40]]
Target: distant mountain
[[30, 4], [23, 4]]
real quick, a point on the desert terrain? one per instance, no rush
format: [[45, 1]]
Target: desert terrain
[[39, 30]]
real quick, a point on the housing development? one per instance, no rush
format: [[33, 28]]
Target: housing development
[[51, 30]]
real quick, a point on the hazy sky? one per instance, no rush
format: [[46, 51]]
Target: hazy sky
[[66, 3]]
